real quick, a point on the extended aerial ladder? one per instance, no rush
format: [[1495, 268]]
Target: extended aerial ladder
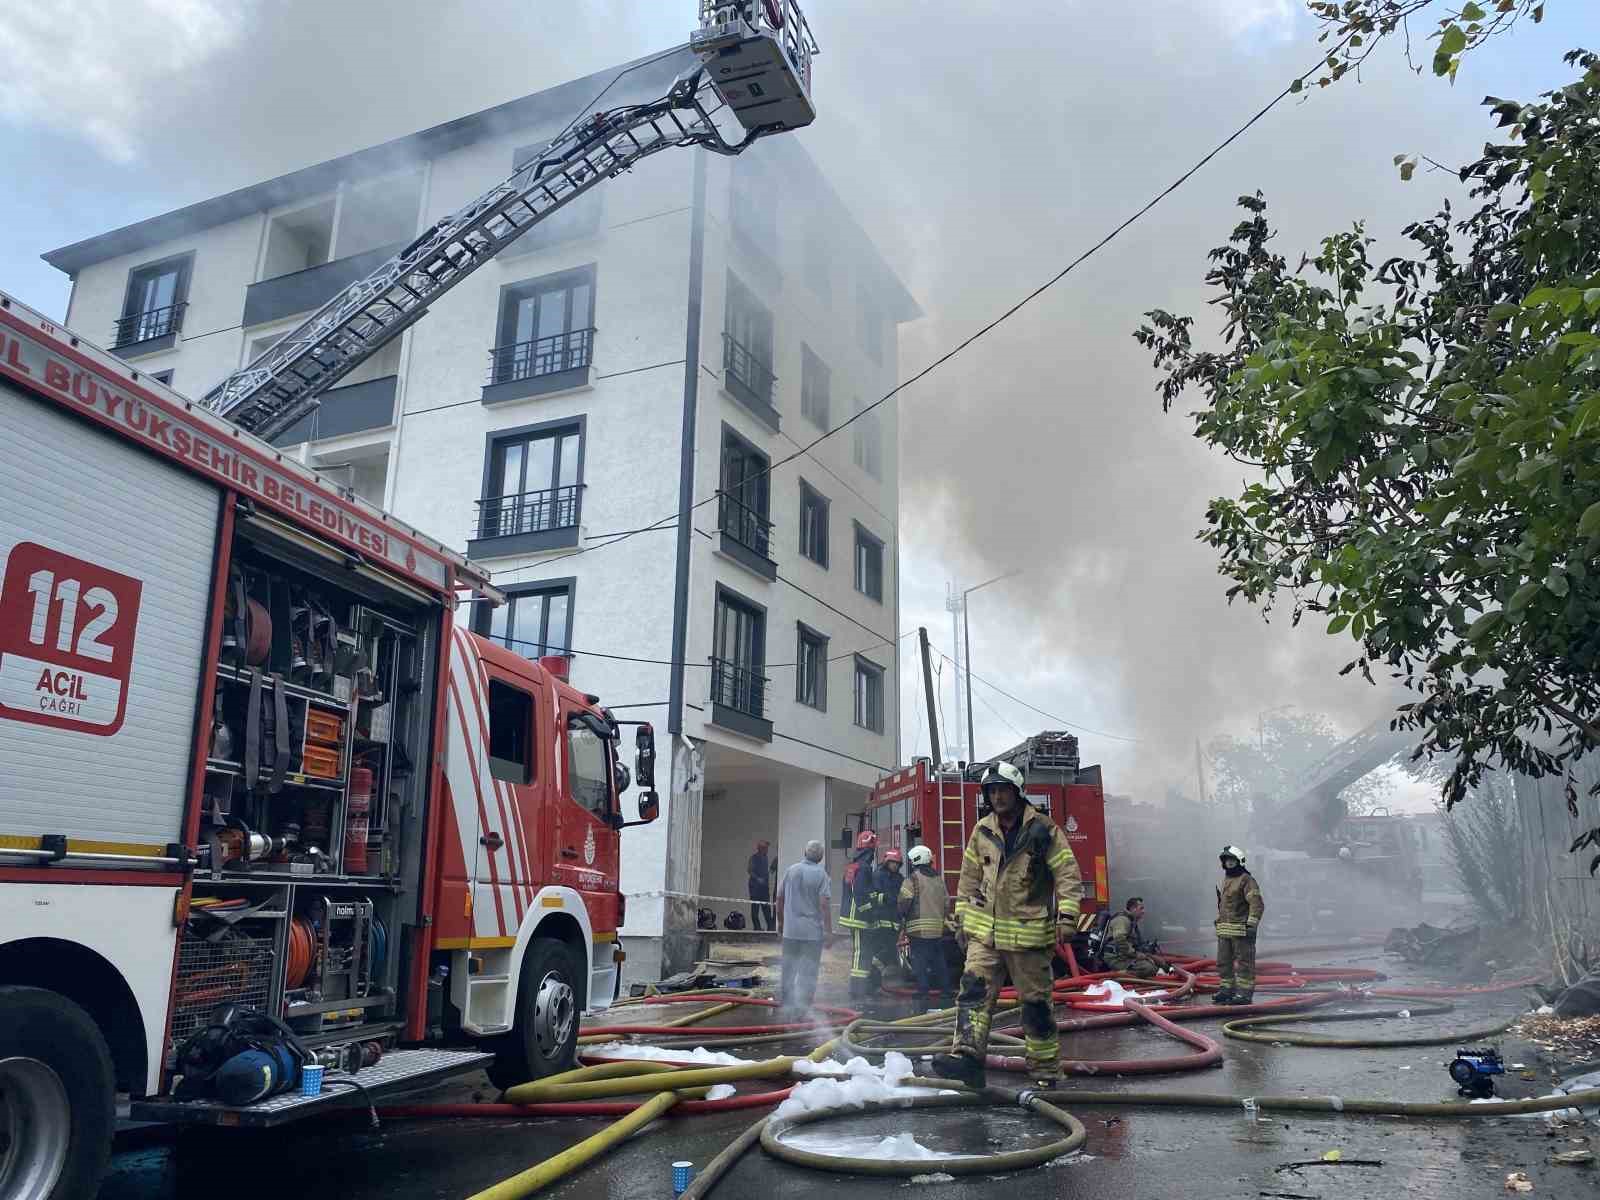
[[754, 60]]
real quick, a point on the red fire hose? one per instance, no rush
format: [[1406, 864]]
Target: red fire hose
[[1210, 1052]]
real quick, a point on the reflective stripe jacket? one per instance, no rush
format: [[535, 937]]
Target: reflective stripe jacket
[[1123, 940], [1239, 905], [885, 896], [923, 902], [1012, 902], [855, 906]]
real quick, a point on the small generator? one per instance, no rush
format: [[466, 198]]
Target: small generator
[[1474, 1072]]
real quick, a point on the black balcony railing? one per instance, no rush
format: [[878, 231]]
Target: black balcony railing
[[152, 323], [543, 356], [738, 686], [529, 512], [741, 365], [745, 525]]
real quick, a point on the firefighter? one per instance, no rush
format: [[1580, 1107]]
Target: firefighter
[[1126, 951], [1017, 899], [886, 885], [857, 914], [923, 902], [1239, 909]]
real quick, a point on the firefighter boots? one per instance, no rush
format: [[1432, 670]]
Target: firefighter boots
[[963, 1068]]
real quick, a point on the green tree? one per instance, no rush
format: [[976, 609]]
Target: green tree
[[1270, 766], [1427, 469], [1352, 29]]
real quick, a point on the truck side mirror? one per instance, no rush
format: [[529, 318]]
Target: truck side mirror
[[649, 807], [644, 758]]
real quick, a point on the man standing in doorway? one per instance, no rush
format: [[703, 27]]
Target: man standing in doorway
[[760, 870], [1018, 897], [805, 920]]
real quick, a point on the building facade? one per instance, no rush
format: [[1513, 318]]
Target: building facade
[[672, 340]]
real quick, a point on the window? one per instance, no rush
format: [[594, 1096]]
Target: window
[[588, 768], [153, 307], [816, 263], [510, 733], [753, 203], [300, 239], [574, 219], [816, 381], [163, 376], [378, 213], [739, 654], [742, 502], [869, 324], [813, 524], [869, 565], [747, 348], [868, 443], [534, 622], [546, 327], [534, 482], [869, 695], [811, 668]]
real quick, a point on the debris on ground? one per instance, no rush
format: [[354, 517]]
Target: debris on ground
[[1573, 1158], [1518, 1181], [1429, 946], [1338, 1160], [1582, 999], [1575, 1039]]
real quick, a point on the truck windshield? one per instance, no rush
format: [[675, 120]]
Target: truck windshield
[[588, 772]]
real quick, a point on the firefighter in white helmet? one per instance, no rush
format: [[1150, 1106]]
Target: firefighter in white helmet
[[1018, 898], [1239, 909], [923, 903]]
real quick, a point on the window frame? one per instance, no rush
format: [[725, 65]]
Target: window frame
[[483, 616], [182, 268], [737, 502], [497, 769], [758, 724], [811, 498], [578, 218], [532, 541], [572, 370], [818, 641], [866, 443], [608, 813], [865, 537], [814, 367], [759, 396], [866, 669]]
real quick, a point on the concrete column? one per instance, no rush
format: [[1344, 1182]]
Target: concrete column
[[802, 815], [664, 858]]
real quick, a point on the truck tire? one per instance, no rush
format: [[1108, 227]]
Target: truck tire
[[544, 1038], [58, 1097]]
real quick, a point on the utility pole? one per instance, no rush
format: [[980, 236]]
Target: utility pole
[[927, 683], [954, 604], [966, 637]]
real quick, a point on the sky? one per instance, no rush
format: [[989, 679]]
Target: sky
[[982, 145]]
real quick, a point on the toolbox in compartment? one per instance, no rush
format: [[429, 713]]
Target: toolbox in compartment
[[324, 728]]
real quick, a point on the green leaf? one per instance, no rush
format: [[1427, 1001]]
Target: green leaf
[[1297, 86], [1589, 523], [1523, 596], [1484, 625], [1556, 581], [1471, 12], [1407, 170], [1338, 623], [1453, 40], [1538, 185]]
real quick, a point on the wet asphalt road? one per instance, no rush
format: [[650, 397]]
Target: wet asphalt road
[[1130, 1152]]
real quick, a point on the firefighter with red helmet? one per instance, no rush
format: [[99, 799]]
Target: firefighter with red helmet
[[858, 914], [885, 937]]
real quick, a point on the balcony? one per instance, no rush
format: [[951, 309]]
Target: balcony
[[544, 365], [149, 331], [527, 522], [749, 380], [302, 291], [746, 535], [739, 699], [354, 408]]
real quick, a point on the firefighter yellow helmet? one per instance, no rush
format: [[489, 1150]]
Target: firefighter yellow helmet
[[1234, 852]]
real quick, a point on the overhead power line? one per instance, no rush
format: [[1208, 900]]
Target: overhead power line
[[1290, 89]]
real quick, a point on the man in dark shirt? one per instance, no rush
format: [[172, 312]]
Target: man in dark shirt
[[760, 870]]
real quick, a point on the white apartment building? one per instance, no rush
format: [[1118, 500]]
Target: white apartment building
[[657, 344]]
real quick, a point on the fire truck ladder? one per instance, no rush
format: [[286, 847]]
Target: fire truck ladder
[[953, 832], [280, 386]]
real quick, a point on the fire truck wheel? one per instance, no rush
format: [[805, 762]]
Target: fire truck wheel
[[544, 1039], [57, 1098]]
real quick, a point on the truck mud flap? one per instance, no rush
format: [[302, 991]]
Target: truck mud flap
[[399, 1071]]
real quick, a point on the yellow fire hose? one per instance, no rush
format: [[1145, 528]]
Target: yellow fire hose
[[545, 1091], [590, 1039]]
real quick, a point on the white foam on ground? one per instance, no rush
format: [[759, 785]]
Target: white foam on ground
[[699, 1055], [901, 1145], [936, 1177], [834, 1069], [1109, 991], [721, 1091], [861, 1083]]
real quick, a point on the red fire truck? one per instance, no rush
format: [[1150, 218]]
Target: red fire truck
[[938, 807]]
